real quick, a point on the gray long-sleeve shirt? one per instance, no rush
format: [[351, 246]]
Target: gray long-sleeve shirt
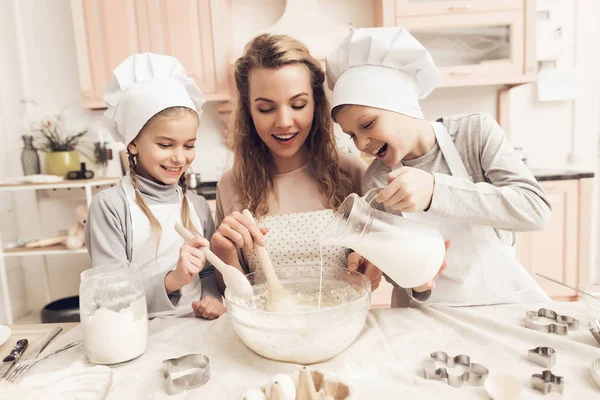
[[504, 193], [109, 236]]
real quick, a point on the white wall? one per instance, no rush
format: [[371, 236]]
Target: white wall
[[37, 38], [10, 109]]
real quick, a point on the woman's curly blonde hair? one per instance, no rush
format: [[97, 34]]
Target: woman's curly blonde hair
[[253, 166]]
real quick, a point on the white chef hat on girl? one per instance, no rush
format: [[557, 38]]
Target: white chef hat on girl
[[384, 68], [142, 86]]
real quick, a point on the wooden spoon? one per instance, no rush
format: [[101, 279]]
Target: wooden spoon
[[279, 298], [233, 277]]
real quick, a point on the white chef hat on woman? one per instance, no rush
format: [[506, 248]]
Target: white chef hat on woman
[[384, 68], [142, 86]]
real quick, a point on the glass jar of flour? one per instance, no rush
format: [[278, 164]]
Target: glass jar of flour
[[114, 316]]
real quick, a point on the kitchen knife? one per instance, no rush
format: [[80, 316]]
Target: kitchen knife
[[13, 356]]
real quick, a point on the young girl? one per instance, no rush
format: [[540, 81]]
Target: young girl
[[287, 170], [459, 173], [154, 109]]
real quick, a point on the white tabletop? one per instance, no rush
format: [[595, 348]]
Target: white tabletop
[[385, 362]]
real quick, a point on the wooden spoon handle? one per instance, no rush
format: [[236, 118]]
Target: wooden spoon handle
[[265, 262]]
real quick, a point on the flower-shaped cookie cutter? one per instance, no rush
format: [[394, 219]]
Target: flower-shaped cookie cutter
[[563, 324], [547, 382], [471, 373]]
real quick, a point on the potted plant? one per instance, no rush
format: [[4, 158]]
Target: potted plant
[[60, 145]]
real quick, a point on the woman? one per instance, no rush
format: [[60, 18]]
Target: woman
[[287, 170]]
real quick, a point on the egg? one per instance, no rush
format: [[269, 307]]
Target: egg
[[254, 394], [503, 387], [287, 386]]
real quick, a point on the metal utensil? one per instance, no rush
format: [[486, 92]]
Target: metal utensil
[[567, 286], [563, 325], [474, 374], [594, 327], [186, 372], [542, 355], [13, 356], [15, 375], [233, 277], [547, 382], [43, 343]]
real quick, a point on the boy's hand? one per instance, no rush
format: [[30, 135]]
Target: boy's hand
[[358, 263], [408, 190], [431, 284], [208, 308]]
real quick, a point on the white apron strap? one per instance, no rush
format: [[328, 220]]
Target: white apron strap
[[458, 169], [451, 155]]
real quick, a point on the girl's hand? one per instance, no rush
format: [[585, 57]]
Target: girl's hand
[[208, 308], [358, 263], [408, 190], [431, 284], [190, 263], [237, 231]]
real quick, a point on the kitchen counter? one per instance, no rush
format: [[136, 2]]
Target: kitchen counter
[[209, 189], [559, 175], [385, 360]]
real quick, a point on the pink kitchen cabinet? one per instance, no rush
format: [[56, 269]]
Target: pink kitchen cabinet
[[107, 31], [472, 43], [412, 8], [563, 250]]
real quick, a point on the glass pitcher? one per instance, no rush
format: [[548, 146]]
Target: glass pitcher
[[114, 315], [409, 252]]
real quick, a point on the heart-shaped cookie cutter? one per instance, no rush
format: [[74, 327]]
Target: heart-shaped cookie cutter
[[186, 372], [563, 324], [471, 373], [544, 356]]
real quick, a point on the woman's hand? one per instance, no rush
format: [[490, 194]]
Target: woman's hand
[[237, 231], [358, 263]]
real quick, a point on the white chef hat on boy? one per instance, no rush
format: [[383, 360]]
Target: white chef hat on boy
[[384, 68], [142, 86]]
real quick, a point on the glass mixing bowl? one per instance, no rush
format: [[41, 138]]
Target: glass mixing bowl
[[593, 305], [310, 333]]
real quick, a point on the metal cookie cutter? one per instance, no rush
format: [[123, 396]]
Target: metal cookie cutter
[[472, 373], [562, 326], [544, 356], [595, 370], [186, 372], [547, 382], [594, 327]]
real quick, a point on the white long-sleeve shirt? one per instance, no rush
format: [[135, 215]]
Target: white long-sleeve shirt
[[504, 193]]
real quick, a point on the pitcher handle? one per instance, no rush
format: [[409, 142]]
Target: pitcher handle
[[371, 194]]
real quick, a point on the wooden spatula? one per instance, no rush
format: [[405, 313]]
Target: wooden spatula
[[233, 277], [279, 298]]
